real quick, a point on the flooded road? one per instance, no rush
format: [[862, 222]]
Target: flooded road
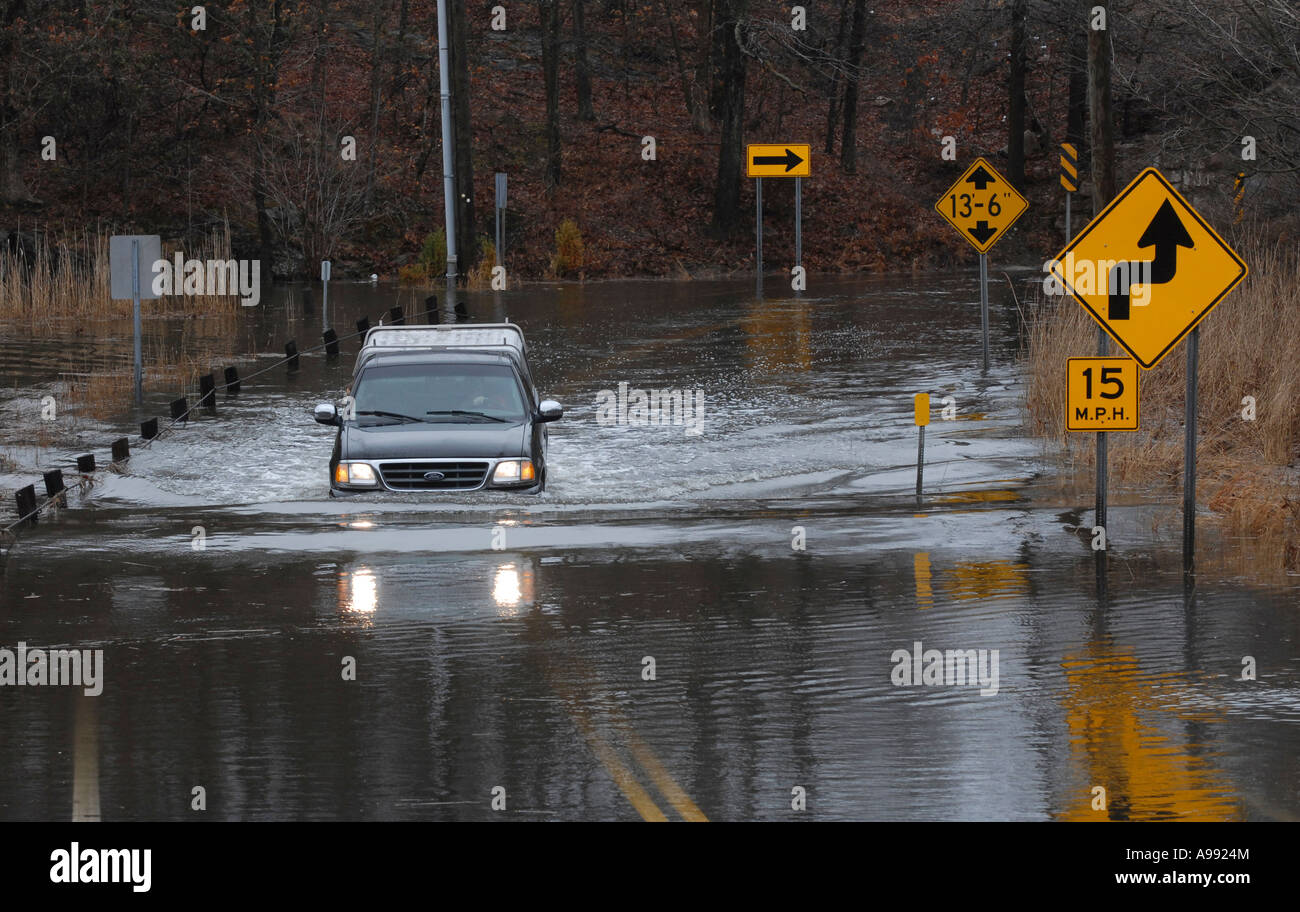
[[725, 625]]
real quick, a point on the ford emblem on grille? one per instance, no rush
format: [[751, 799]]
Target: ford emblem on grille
[[434, 476]]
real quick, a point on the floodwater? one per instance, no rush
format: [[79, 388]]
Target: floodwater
[[684, 626]]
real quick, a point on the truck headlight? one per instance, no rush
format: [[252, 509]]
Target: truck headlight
[[514, 471], [361, 474]]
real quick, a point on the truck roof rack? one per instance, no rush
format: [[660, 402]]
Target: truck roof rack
[[474, 335], [502, 338]]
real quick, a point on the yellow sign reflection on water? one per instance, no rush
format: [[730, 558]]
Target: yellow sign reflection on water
[[1126, 740], [778, 338], [921, 570], [996, 579]]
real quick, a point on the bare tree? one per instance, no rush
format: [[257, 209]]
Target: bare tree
[[1016, 101], [726, 193], [316, 195], [857, 39], [582, 70], [1101, 117], [550, 16]]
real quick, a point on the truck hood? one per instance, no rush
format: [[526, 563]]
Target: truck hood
[[429, 441]]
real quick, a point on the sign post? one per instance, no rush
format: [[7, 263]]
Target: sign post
[[325, 292], [777, 160], [984, 306], [1189, 452], [1148, 302], [982, 205], [1069, 180], [758, 233], [798, 221], [501, 216], [131, 263], [921, 407]]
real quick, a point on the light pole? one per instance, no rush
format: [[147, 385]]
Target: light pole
[[448, 166]]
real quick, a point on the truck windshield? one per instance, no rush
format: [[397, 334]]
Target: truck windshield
[[439, 393]]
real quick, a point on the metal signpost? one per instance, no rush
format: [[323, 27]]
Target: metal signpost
[[758, 233], [131, 259], [1069, 179], [501, 216], [777, 160], [921, 409], [1127, 271], [982, 205], [325, 292]]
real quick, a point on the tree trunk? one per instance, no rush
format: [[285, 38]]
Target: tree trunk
[[718, 41], [262, 52], [849, 141], [1101, 117], [683, 75], [726, 196], [550, 16], [14, 188], [1016, 103], [701, 86], [462, 133], [376, 65], [1077, 92], [582, 71], [833, 96]]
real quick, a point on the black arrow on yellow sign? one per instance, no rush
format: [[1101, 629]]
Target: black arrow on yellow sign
[[1166, 234], [789, 159], [981, 178]]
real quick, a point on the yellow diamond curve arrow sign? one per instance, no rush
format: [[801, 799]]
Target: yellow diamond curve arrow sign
[[1148, 268], [981, 205]]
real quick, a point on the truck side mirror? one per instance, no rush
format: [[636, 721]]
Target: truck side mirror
[[550, 410], [325, 413]]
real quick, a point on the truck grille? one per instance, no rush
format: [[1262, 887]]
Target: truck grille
[[457, 476]]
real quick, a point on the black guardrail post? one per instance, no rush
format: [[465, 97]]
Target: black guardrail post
[[232, 380], [363, 325], [431, 310], [331, 339], [180, 409], [399, 318], [291, 352], [26, 501], [86, 464], [148, 430], [208, 392], [122, 449], [54, 483]]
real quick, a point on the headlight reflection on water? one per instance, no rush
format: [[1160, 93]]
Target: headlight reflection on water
[[512, 588], [359, 591]]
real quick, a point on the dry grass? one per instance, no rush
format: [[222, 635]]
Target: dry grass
[[1250, 346], [63, 288], [67, 281]]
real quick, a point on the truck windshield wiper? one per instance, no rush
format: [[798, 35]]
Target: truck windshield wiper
[[382, 414], [463, 412]]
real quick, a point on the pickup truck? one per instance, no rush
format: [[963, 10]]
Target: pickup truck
[[444, 409]]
